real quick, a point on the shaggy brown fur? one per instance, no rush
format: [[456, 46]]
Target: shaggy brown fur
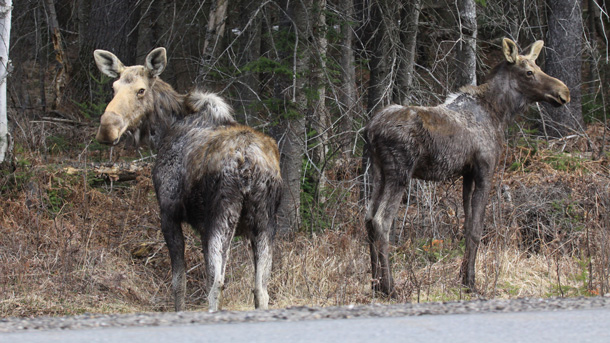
[[219, 176], [462, 137]]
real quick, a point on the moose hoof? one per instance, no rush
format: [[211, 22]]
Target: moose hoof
[[383, 292], [468, 287]]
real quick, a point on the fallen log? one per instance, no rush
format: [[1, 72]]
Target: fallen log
[[114, 172]]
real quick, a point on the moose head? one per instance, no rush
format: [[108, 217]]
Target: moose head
[[529, 80], [133, 97]]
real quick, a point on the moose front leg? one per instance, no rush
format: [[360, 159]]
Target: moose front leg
[[473, 227], [467, 199]]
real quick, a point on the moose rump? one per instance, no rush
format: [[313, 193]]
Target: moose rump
[[222, 182], [220, 177]]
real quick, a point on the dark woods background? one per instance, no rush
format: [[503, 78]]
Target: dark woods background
[[79, 222], [308, 72]]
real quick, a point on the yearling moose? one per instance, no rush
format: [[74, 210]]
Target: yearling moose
[[221, 177], [462, 137]]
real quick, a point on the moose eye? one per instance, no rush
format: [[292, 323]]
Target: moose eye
[[141, 91], [530, 73]]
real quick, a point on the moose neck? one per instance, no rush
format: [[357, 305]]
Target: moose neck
[[168, 107], [500, 96]]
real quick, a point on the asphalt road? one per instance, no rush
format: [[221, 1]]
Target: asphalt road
[[578, 325]]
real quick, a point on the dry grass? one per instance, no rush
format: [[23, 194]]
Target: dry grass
[[71, 244]]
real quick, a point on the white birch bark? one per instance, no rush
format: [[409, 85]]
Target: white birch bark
[[5, 34], [216, 28], [467, 46]]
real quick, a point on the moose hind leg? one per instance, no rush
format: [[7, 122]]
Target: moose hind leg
[[258, 222], [172, 232], [376, 188], [216, 244], [373, 206], [379, 236], [262, 249]]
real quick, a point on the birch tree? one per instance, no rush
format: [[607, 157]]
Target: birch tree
[[466, 53], [62, 66], [213, 36], [5, 34]]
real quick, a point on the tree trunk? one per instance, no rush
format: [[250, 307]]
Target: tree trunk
[[62, 68], [348, 95], [112, 26], [466, 53], [409, 21], [375, 31], [5, 35], [320, 117], [600, 21], [213, 36], [41, 60], [563, 61], [291, 89], [83, 9]]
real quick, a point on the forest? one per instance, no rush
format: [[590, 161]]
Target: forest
[[79, 221]]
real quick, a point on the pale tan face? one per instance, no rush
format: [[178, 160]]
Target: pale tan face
[[130, 103], [132, 93], [531, 80]]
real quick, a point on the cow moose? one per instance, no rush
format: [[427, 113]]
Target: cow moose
[[461, 137], [220, 177]]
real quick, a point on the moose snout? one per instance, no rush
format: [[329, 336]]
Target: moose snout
[[110, 129], [559, 97], [565, 96]]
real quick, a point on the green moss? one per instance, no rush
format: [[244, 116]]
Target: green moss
[[564, 162]]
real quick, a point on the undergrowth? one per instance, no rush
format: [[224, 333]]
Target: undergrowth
[[74, 242]]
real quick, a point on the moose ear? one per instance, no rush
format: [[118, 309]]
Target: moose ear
[[535, 50], [156, 61], [108, 63], [510, 50]]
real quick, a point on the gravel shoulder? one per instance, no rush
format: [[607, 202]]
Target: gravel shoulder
[[88, 321]]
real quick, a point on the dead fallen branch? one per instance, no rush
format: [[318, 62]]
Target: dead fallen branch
[[115, 172], [64, 121]]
